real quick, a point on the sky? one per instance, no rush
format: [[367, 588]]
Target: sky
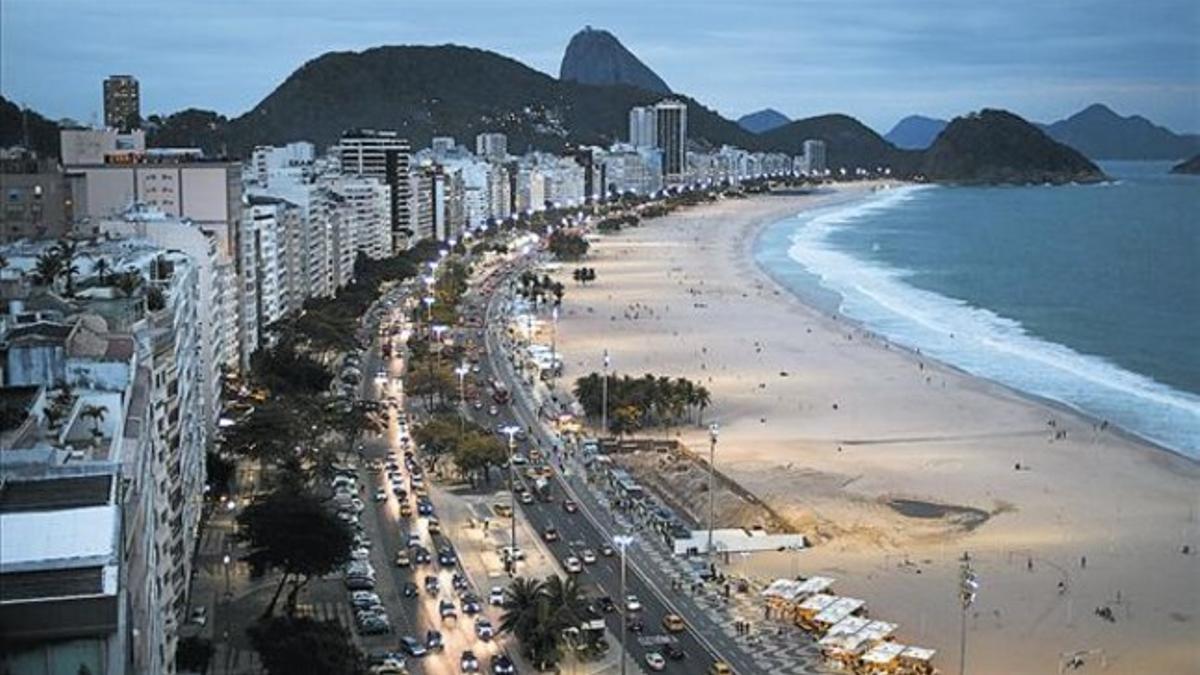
[[877, 60]]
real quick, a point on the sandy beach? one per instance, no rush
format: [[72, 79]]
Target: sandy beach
[[827, 423]]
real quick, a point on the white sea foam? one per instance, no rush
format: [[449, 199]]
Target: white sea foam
[[984, 343]]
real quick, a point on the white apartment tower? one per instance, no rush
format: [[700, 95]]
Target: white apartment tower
[[642, 126]]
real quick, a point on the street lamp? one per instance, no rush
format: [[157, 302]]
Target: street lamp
[[622, 542], [554, 341], [428, 300], [511, 430], [714, 430], [604, 397], [225, 561], [462, 371]]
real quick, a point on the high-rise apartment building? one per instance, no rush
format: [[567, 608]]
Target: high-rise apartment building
[[492, 147], [671, 134], [384, 155], [642, 127], [122, 103], [814, 156]]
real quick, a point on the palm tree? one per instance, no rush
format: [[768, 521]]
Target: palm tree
[[67, 250], [47, 269], [703, 400], [96, 413], [102, 268], [521, 611]]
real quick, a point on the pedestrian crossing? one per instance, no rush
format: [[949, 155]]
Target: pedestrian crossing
[[340, 612]]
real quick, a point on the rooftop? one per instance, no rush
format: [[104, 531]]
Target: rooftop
[[55, 493], [60, 539]]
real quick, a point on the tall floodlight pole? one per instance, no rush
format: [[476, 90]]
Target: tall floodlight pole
[[604, 398], [512, 430], [968, 586], [714, 430], [462, 371], [622, 542], [554, 341]]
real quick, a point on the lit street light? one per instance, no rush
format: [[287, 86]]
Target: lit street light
[[714, 430], [511, 430], [462, 371], [622, 542], [604, 397]]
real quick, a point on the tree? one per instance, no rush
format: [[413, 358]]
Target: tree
[[102, 268], [292, 531], [567, 245], [520, 606], [47, 268], [218, 473], [128, 282], [304, 646], [67, 250]]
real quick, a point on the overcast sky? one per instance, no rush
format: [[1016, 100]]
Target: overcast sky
[[877, 60]]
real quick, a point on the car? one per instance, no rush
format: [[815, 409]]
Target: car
[[655, 661], [414, 539], [364, 599], [360, 554], [360, 583], [570, 506], [588, 556], [478, 404], [496, 596], [636, 625], [673, 652], [458, 581], [632, 604], [550, 534], [607, 551], [412, 646], [502, 665], [518, 459], [484, 629], [424, 508], [468, 662], [434, 641], [399, 491], [435, 526], [199, 615], [403, 559], [406, 510], [409, 590], [720, 668], [388, 665], [421, 555], [674, 623], [446, 558], [512, 553], [573, 565], [381, 495], [606, 604], [446, 610], [502, 510], [431, 584], [493, 410], [373, 624], [470, 604], [526, 497]]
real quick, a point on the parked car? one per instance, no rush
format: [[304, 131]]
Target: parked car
[[199, 615], [364, 599]]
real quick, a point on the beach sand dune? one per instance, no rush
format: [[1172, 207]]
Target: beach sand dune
[[831, 426]]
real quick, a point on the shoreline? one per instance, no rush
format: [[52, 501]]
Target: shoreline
[[684, 296], [750, 245]]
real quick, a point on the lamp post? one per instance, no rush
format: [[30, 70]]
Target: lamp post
[[622, 542], [512, 430], [554, 342], [604, 397], [714, 430], [462, 371], [428, 300], [225, 562], [968, 586]]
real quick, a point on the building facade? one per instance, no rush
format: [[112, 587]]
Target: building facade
[[122, 103]]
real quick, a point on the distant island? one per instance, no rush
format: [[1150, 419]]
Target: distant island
[[1190, 166], [998, 147]]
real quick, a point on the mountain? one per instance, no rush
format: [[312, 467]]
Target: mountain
[[454, 91], [848, 143], [1191, 166], [915, 132], [16, 123], [762, 120], [996, 146], [1100, 133], [598, 57]]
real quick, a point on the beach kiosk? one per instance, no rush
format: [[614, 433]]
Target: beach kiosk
[[916, 661], [883, 658], [813, 605], [833, 614]]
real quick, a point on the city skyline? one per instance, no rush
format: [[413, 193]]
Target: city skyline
[[874, 62]]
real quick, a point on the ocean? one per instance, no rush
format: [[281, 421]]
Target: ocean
[[1086, 295]]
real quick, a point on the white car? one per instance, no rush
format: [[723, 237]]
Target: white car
[[573, 565], [588, 555], [632, 604], [496, 596], [655, 661], [381, 495]]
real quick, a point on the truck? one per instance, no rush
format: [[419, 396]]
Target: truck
[[541, 488]]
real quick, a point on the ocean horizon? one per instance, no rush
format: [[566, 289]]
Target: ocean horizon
[[1086, 296]]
